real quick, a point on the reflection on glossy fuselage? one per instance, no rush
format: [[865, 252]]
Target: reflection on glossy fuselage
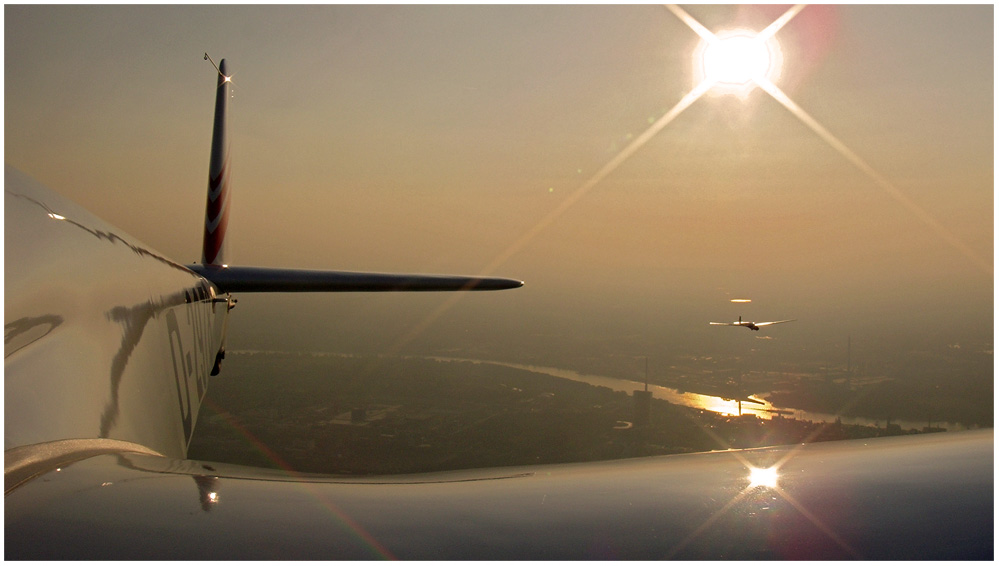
[[208, 495], [138, 368], [23, 331], [911, 497], [765, 477]]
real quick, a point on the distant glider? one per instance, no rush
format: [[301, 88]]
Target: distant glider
[[751, 325]]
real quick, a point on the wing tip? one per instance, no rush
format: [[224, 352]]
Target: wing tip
[[503, 283]]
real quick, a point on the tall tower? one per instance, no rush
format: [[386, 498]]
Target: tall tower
[[848, 354], [643, 400], [849, 368]]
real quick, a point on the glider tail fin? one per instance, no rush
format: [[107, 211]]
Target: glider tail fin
[[217, 207], [215, 266]]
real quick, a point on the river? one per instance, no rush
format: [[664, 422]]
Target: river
[[751, 405]]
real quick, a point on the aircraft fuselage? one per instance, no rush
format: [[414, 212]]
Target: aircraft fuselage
[[138, 372]]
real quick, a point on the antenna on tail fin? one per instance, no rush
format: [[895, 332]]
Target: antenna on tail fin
[[208, 58], [217, 207]]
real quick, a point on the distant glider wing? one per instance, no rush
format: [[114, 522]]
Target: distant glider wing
[[267, 279], [774, 322]]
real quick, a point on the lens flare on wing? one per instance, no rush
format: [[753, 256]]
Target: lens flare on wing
[[763, 477]]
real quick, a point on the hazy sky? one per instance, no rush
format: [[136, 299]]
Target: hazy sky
[[435, 139]]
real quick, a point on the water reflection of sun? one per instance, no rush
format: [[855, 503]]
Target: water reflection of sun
[[719, 405], [751, 405]]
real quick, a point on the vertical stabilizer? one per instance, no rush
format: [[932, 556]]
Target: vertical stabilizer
[[217, 209], [246, 279]]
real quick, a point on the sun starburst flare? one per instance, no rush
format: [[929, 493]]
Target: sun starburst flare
[[735, 61], [887, 186], [757, 63]]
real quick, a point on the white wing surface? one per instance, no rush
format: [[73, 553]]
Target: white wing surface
[[775, 322]]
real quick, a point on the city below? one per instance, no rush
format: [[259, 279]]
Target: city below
[[342, 414]]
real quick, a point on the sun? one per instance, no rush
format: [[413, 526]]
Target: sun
[[735, 60]]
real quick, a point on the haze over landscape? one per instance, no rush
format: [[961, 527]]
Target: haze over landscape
[[465, 139]]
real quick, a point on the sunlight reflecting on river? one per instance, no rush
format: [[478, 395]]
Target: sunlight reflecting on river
[[751, 405]]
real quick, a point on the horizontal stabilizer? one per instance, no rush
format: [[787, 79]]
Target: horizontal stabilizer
[[277, 280]]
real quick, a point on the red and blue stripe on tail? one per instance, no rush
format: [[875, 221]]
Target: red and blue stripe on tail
[[217, 208]]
